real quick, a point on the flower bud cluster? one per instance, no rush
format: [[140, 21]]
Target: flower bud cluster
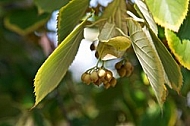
[[98, 76], [124, 68]]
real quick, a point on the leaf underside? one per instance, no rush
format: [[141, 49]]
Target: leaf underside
[[144, 12], [171, 67], [148, 59], [173, 76], [55, 67]]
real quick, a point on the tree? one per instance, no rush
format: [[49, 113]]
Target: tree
[[152, 48]]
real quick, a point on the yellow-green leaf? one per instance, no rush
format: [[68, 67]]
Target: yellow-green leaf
[[54, 68], [113, 48], [148, 59], [168, 13], [108, 52], [120, 43], [181, 49]]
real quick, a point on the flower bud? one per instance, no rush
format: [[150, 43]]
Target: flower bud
[[101, 73], [92, 47], [98, 82], [128, 73], [113, 82], [108, 76], [96, 54], [122, 72], [94, 76], [118, 65], [86, 78], [107, 85], [128, 65]]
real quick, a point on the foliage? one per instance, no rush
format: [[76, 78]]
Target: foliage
[[111, 26], [57, 64], [121, 24], [171, 18]]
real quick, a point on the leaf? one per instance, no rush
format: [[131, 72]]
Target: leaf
[[184, 30], [148, 59], [107, 32], [168, 13], [146, 15], [69, 16], [120, 43], [146, 31], [115, 13], [171, 68], [24, 21], [181, 49], [113, 48], [54, 68], [108, 52], [49, 5]]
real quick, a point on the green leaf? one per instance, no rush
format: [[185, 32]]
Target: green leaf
[[181, 49], [184, 30], [121, 43], [69, 16], [107, 32], [148, 59], [168, 13], [24, 21], [54, 68], [171, 68], [108, 52], [146, 31], [113, 48], [49, 5], [143, 10], [115, 13]]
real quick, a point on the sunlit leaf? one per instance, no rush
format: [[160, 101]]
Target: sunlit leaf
[[54, 68], [168, 13], [148, 59], [49, 5], [24, 21], [120, 43], [181, 49], [69, 16], [146, 15], [171, 68], [113, 48], [108, 52]]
